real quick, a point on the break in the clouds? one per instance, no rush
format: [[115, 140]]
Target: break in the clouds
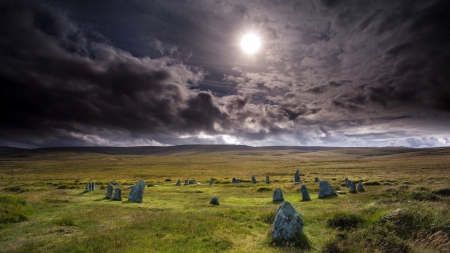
[[124, 73]]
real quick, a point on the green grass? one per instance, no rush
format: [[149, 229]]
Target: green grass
[[48, 211]]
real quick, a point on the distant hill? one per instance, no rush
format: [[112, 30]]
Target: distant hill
[[8, 150]]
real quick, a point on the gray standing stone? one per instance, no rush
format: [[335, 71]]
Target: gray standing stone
[[305, 194], [316, 179], [211, 181], [352, 187], [297, 177], [137, 192], [214, 201], [192, 181], [93, 186], [253, 180], [278, 195], [233, 180], [186, 182], [347, 182], [88, 187], [325, 190], [287, 224], [109, 191], [238, 180], [117, 194], [114, 183], [361, 187], [178, 182], [267, 180]]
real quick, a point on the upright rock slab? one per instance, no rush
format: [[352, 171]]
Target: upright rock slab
[[347, 182], [186, 182], [117, 194], [361, 187], [137, 192], [305, 193], [109, 191], [277, 195], [267, 180], [253, 180], [192, 181], [211, 181], [325, 190], [297, 177], [287, 224], [352, 187], [316, 179], [178, 182]]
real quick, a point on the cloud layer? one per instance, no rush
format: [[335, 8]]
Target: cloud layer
[[171, 72]]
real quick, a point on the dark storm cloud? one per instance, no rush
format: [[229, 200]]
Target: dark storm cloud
[[57, 80], [345, 73]]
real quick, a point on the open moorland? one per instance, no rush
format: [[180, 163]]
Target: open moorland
[[43, 206]]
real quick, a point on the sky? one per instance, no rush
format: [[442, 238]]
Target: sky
[[170, 72]]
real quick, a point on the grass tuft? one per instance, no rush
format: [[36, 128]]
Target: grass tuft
[[13, 209], [344, 220]]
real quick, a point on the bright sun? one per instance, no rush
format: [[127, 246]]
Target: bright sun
[[250, 43]]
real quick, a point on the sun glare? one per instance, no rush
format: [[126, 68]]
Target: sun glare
[[250, 43]]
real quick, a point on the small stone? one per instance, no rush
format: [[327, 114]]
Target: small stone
[[361, 187], [253, 180], [278, 195], [211, 181], [267, 180], [233, 180], [352, 187], [137, 192], [214, 201], [305, 194], [297, 177], [109, 191], [178, 182], [316, 179], [117, 194], [186, 182], [192, 181], [287, 224], [325, 190]]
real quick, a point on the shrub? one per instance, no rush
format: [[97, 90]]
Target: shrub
[[263, 189], [344, 220], [443, 192]]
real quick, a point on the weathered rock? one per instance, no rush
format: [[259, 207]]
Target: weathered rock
[[88, 187], [287, 224], [267, 180], [186, 182], [347, 182], [278, 195], [238, 180], [211, 181], [325, 190], [316, 179], [297, 177], [253, 180], [233, 180], [352, 187], [214, 201], [361, 187], [178, 182], [117, 194], [192, 181], [109, 191], [137, 192], [92, 186], [305, 194]]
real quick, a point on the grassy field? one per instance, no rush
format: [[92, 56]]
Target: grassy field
[[43, 206]]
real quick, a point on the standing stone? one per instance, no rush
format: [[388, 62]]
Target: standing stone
[[114, 183], [109, 191], [238, 180], [186, 182], [352, 187], [233, 180], [211, 181], [287, 224], [361, 187], [278, 195], [253, 180], [316, 179], [325, 190], [267, 180], [93, 186], [88, 187], [192, 181], [214, 201], [117, 194], [347, 182], [305, 194], [297, 177], [137, 192], [178, 182]]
